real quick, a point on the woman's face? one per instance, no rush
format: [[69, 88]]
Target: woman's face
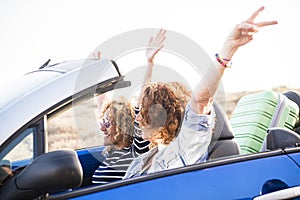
[[108, 126], [147, 133]]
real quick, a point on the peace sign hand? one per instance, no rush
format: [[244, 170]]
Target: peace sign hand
[[243, 32]]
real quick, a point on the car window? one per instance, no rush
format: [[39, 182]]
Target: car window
[[21, 148], [75, 127]]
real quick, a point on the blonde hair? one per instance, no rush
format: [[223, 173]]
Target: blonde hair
[[121, 113]]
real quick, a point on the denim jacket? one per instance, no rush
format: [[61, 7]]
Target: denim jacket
[[189, 147]]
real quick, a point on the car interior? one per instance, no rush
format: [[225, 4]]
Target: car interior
[[68, 169], [223, 143], [49, 173]]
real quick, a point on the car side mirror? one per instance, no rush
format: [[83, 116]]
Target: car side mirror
[[5, 170], [281, 138], [52, 172]]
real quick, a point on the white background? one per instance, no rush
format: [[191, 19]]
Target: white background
[[33, 31]]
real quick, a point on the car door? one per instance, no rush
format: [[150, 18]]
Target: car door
[[25, 146], [241, 177]]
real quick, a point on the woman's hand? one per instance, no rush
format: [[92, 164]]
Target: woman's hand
[[155, 45], [204, 93], [97, 54], [243, 33]]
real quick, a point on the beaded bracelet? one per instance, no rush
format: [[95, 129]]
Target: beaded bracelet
[[223, 61]]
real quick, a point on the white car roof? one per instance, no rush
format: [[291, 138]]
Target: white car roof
[[39, 90]]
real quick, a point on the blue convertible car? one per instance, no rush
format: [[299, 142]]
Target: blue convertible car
[[50, 145]]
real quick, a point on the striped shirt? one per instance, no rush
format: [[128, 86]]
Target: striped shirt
[[115, 165]]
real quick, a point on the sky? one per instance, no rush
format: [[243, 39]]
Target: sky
[[34, 31]]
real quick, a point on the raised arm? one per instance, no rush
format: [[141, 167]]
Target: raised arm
[[242, 34], [155, 45]]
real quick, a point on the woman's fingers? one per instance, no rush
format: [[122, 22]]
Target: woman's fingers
[[155, 44], [162, 36], [251, 19], [247, 26], [96, 55], [247, 29], [254, 15], [159, 38], [267, 23], [150, 41], [250, 28]]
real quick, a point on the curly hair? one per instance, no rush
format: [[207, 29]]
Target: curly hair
[[181, 91], [121, 113], [161, 110]]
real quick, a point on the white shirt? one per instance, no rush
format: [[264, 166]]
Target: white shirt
[[189, 147]]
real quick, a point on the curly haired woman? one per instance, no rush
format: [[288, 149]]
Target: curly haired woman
[[118, 126], [122, 142], [175, 145]]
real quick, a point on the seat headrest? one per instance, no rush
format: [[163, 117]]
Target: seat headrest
[[222, 130], [294, 96], [222, 144]]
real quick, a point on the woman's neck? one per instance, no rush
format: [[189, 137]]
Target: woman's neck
[[157, 143], [120, 146]]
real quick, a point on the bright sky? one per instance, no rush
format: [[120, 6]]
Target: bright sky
[[33, 31]]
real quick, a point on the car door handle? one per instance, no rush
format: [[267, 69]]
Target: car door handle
[[281, 194]]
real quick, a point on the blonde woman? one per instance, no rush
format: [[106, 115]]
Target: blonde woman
[[122, 143]]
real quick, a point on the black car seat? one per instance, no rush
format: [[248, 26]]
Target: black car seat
[[280, 138], [295, 97], [51, 172], [223, 143]]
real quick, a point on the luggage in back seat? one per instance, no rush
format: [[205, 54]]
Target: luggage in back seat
[[257, 112]]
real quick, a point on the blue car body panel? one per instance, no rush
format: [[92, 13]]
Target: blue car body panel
[[296, 158], [238, 180], [90, 159]]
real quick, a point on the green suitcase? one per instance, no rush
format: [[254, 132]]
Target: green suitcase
[[257, 112]]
